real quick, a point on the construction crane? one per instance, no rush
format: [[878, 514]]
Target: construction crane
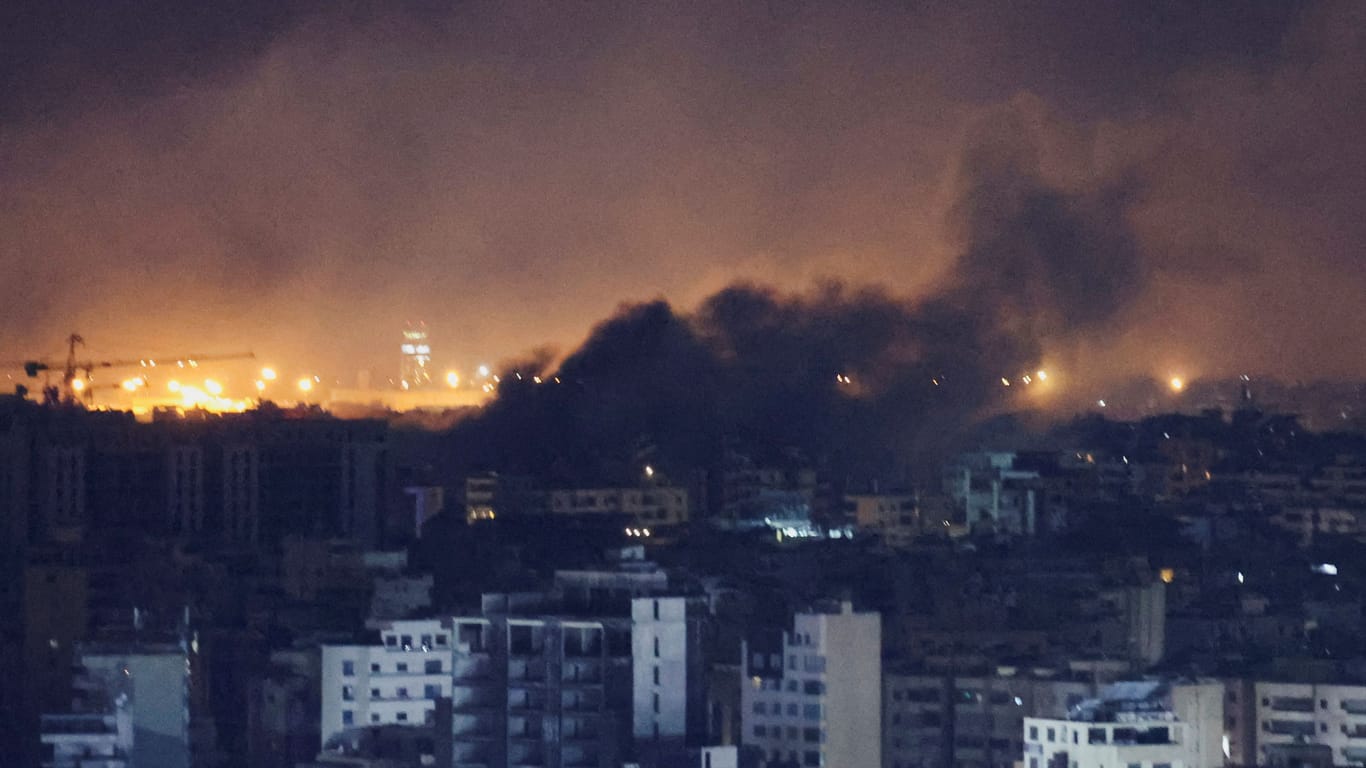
[[73, 386]]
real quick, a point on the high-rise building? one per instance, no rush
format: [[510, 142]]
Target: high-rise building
[[533, 679], [415, 368], [816, 700]]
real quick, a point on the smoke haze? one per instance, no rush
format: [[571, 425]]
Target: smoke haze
[[1104, 188]]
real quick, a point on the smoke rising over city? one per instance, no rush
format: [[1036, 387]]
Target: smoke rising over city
[[876, 380], [301, 179]]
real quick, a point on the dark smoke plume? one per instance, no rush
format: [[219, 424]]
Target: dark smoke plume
[[855, 379]]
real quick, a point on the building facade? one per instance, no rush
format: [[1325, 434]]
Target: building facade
[[810, 703]]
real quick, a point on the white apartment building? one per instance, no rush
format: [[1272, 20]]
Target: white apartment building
[[818, 701], [1302, 713], [396, 682], [1145, 724]]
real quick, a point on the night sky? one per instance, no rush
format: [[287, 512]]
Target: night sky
[[1134, 188]]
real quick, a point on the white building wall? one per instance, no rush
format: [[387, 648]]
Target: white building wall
[[1095, 745], [827, 708], [659, 652], [1331, 715], [157, 687], [396, 682]]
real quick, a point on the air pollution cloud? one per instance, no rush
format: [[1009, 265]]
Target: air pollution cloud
[[1109, 189], [854, 376]]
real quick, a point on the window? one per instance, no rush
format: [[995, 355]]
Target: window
[[792, 662], [402, 717], [656, 703], [406, 641], [426, 641], [759, 708], [1033, 733], [374, 693], [441, 641], [811, 735], [656, 646], [349, 668], [348, 693], [656, 607], [811, 758], [402, 666], [792, 686], [390, 641], [374, 717], [431, 691], [656, 675], [374, 667], [811, 711], [348, 717], [432, 667], [760, 731], [1052, 735], [403, 693], [792, 710], [813, 688]]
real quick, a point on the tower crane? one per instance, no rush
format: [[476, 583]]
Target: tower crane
[[73, 386]]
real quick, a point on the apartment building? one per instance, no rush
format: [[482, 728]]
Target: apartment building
[[394, 683], [1149, 724], [532, 680], [641, 507], [1281, 714], [812, 700]]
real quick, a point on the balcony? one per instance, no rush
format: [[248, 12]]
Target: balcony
[[526, 671], [1292, 704], [1303, 728], [474, 668]]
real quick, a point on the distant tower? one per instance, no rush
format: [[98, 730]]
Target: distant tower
[[415, 369]]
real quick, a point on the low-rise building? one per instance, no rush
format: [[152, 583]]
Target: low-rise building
[[646, 506], [1150, 724]]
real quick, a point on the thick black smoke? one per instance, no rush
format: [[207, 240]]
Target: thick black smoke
[[853, 379]]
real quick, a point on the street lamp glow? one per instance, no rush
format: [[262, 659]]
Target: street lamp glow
[[484, 371], [213, 387], [305, 385], [268, 374], [1177, 384], [452, 378]]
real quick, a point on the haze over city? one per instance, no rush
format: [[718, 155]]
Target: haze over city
[[301, 179]]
